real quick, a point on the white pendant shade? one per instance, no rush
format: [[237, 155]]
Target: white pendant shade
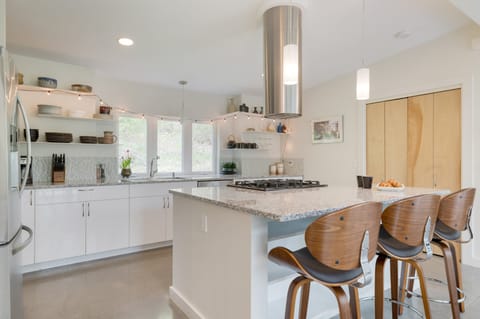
[[290, 64], [363, 84]]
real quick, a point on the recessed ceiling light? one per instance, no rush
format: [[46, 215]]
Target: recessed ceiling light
[[402, 34], [125, 42]]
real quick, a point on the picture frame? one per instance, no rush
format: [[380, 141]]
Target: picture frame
[[327, 130]]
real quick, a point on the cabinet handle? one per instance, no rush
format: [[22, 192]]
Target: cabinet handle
[[31, 198], [86, 189], [88, 207], [83, 209], [168, 202], [164, 205]]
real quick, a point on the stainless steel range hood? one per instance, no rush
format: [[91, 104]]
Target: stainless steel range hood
[[283, 61]]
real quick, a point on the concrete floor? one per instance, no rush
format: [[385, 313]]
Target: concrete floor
[[136, 286]]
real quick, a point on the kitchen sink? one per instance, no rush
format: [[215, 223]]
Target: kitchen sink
[[154, 178]]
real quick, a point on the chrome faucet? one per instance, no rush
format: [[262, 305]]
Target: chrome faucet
[[154, 160]]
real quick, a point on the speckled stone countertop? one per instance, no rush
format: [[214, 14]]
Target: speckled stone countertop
[[131, 181], [294, 204]]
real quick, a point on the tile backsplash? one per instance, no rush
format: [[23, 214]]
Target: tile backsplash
[[77, 169]]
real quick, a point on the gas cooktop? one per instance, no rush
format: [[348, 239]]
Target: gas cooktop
[[276, 184]]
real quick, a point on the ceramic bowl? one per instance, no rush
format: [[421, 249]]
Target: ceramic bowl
[[33, 134], [82, 88], [47, 82]]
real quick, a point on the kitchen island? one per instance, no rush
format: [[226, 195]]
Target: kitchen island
[[222, 236]]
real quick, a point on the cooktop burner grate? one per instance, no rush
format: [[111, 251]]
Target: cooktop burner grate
[[276, 184]]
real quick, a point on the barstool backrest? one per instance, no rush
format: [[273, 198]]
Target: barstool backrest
[[335, 240], [405, 219], [455, 208]]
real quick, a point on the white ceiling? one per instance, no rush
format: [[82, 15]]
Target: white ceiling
[[216, 44]]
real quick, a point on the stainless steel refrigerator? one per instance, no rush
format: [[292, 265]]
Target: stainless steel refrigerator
[[11, 187]]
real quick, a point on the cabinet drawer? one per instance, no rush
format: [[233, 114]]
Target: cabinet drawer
[[79, 194], [157, 189]]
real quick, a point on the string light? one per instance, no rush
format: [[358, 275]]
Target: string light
[[122, 109]]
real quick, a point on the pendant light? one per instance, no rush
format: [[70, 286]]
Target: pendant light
[[363, 74], [182, 115]]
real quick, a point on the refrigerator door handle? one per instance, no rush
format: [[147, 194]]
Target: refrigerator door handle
[[22, 246], [29, 144]]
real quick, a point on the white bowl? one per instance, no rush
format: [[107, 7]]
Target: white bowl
[[49, 109]]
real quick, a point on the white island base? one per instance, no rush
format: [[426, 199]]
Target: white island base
[[221, 270]]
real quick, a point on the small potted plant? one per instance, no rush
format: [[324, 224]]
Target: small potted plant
[[229, 168], [125, 163]]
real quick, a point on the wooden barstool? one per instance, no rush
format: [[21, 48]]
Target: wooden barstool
[[453, 218], [338, 249], [407, 229]]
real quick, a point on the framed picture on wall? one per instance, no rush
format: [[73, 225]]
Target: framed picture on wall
[[328, 130]]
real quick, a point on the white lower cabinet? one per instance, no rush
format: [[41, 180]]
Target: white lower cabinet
[[96, 223], [169, 217], [107, 225], [147, 220], [60, 231], [151, 212], [72, 222]]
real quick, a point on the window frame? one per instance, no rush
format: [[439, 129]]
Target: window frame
[[187, 145], [214, 147]]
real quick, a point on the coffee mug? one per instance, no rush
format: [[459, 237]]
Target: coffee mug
[[104, 109], [109, 137]]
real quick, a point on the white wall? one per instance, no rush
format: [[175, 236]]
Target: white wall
[[444, 63], [3, 23], [138, 97]]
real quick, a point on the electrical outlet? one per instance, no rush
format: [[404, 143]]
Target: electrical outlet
[[205, 223]]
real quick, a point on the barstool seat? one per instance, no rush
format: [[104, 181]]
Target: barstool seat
[[339, 247]]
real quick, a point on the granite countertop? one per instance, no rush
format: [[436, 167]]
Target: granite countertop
[[143, 180], [293, 204]]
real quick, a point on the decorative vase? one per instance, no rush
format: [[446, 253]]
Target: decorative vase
[[126, 172], [231, 106]]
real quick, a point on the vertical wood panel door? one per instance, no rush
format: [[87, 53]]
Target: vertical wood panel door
[[376, 141], [420, 141], [396, 140], [447, 139]]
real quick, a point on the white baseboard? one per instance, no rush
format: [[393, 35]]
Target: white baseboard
[[181, 302], [85, 258]]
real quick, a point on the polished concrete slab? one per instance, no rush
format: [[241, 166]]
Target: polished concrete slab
[[136, 286], [132, 286]]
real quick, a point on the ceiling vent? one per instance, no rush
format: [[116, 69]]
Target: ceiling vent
[[283, 61]]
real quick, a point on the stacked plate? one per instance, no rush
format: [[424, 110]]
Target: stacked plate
[[55, 137], [88, 139], [45, 109]]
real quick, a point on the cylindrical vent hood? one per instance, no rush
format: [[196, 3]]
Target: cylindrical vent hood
[[283, 61]]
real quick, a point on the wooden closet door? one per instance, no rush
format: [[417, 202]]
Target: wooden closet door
[[420, 141], [396, 140], [376, 141], [447, 139]]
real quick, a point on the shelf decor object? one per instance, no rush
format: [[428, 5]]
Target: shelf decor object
[[328, 130]]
